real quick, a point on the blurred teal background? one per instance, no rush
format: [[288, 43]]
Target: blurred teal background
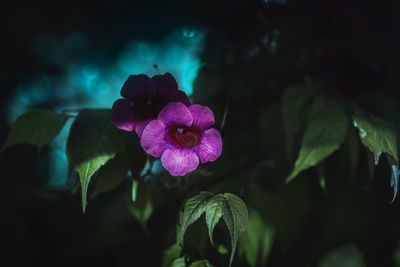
[[96, 83]]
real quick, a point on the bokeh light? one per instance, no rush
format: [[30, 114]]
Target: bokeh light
[[88, 83]]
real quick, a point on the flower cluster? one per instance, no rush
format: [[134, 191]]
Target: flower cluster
[[169, 126]]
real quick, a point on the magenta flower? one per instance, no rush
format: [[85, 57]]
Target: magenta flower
[[182, 137], [143, 100]]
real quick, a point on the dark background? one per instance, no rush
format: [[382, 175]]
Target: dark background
[[351, 46]]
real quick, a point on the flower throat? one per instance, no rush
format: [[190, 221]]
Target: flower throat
[[185, 137]]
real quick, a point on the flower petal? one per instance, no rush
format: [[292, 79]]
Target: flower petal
[[176, 113], [164, 84], [153, 139], [179, 96], [179, 162], [210, 146], [138, 87], [123, 115], [203, 117], [140, 125]]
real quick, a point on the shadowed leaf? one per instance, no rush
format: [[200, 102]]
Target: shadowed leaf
[[35, 127], [111, 174], [326, 131], [377, 134], [92, 141], [181, 262], [256, 242], [171, 254], [142, 208]]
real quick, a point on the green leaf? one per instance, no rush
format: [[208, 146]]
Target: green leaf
[[213, 213], [377, 134], [171, 254], [255, 244], [181, 262], [111, 174], [235, 215], [201, 263], [292, 111], [326, 131], [193, 209], [36, 127], [142, 208], [230, 207], [92, 141]]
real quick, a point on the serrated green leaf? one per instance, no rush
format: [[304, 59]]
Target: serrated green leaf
[[181, 262], [92, 141], [36, 127], [213, 213], [326, 131], [201, 263], [193, 209], [230, 207], [111, 174], [235, 215], [142, 208], [293, 102], [171, 254], [256, 242], [377, 134]]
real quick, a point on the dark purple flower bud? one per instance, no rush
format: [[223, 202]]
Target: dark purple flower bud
[[144, 97], [182, 137]]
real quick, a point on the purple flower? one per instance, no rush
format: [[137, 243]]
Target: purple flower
[[144, 97], [182, 137]]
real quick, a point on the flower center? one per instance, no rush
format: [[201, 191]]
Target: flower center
[[187, 137]]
